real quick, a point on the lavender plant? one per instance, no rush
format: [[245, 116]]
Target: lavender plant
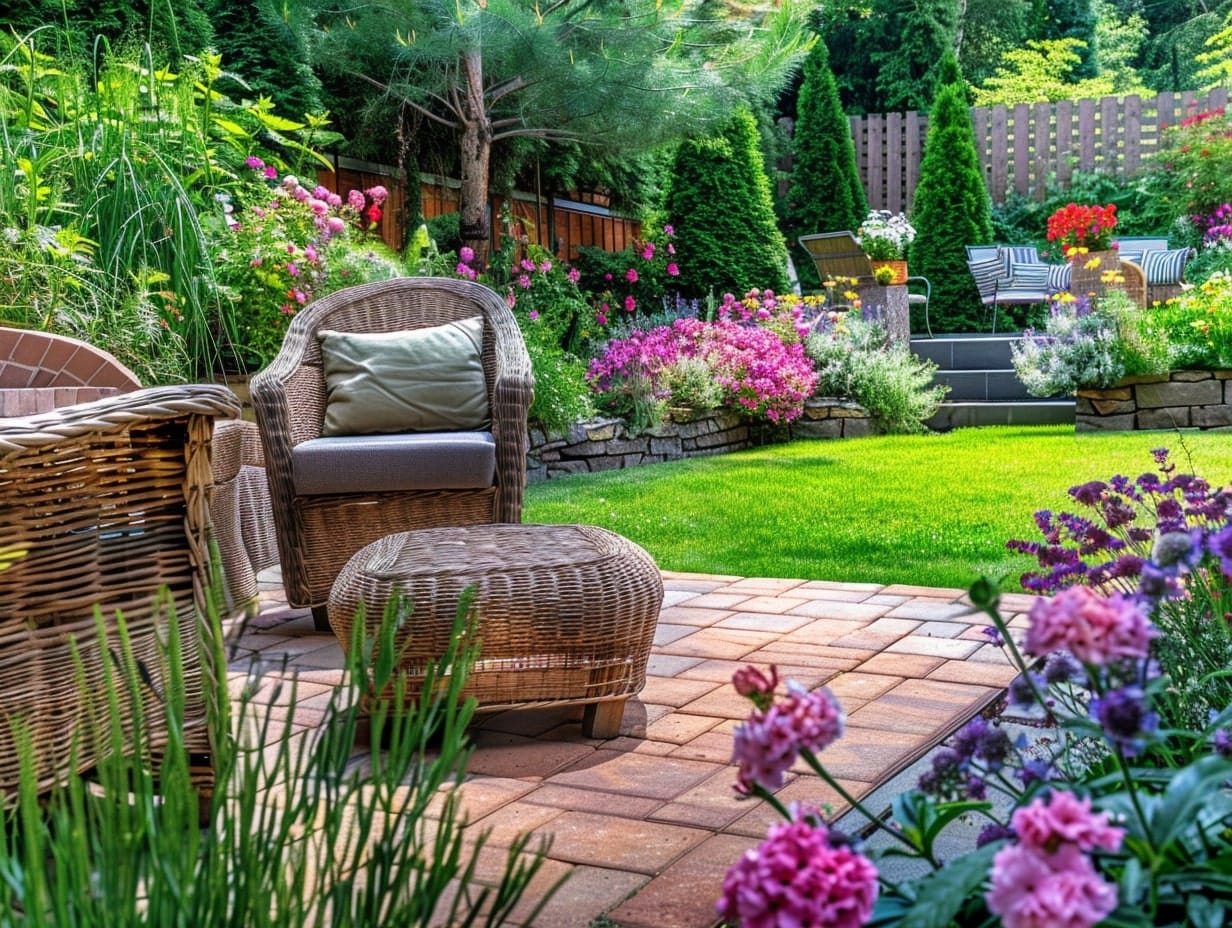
[[1078, 348]]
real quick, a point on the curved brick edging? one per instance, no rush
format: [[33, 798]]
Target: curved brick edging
[[1182, 399], [606, 444]]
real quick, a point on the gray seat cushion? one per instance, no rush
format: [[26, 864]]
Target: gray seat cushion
[[407, 461]]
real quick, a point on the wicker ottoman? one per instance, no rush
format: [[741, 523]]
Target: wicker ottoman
[[566, 613]]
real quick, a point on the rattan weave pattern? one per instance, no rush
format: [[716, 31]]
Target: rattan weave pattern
[[566, 613], [239, 509], [317, 535], [109, 502]]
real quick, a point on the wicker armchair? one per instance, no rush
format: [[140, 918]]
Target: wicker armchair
[[106, 503], [319, 531]]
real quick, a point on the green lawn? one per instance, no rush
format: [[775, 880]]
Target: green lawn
[[933, 510]]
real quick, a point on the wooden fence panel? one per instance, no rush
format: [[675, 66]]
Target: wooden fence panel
[[1026, 148]]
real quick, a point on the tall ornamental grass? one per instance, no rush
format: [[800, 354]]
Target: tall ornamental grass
[[304, 827]]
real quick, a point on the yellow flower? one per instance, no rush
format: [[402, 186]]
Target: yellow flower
[[1092, 264], [10, 555]]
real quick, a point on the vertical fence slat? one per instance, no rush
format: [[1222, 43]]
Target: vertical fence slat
[[1086, 135], [894, 162], [998, 143], [1022, 149], [876, 162], [1045, 151], [917, 127], [1065, 141], [1131, 123], [1110, 134]]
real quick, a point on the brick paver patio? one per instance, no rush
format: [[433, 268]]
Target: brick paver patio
[[647, 823]]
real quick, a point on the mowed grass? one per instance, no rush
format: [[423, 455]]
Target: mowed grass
[[934, 510]]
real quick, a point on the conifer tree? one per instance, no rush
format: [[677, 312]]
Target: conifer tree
[[720, 206], [951, 208], [918, 33], [826, 194]]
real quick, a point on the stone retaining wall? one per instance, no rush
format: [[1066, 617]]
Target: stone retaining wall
[[1182, 399], [606, 444]]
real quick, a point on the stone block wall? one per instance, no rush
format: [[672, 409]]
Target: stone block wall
[[1180, 400], [607, 444]]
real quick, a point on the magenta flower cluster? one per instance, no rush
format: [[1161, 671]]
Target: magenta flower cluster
[[770, 740], [759, 374], [1094, 628], [1046, 878], [798, 877]]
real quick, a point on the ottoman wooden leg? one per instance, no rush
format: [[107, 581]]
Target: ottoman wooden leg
[[320, 618], [602, 719]]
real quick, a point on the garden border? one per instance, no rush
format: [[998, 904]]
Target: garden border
[[1182, 399]]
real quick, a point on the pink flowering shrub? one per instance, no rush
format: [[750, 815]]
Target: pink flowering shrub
[[786, 315], [639, 279], [769, 741], [797, 877], [1094, 628], [281, 246], [758, 374]]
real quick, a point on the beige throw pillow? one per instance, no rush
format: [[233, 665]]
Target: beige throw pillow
[[420, 380]]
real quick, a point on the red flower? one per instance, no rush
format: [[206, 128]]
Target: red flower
[[1074, 226]]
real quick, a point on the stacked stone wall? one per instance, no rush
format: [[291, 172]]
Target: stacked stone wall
[[1180, 400], [608, 444]]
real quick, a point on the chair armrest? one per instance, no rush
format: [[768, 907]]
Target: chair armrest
[[511, 394], [928, 287]]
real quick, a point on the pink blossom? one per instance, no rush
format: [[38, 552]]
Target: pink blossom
[[749, 681], [270, 172], [524, 282], [672, 270], [1094, 628], [334, 200], [465, 270], [290, 182], [671, 249], [355, 199], [320, 192], [255, 262], [290, 248], [378, 193], [510, 299], [648, 251], [300, 194], [299, 296], [310, 252], [335, 225], [545, 266], [1065, 818], [254, 162], [796, 879], [608, 276], [669, 231], [466, 253], [319, 207], [526, 264], [767, 744], [630, 304], [601, 318], [631, 275], [292, 268], [533, 315], [288, 309], [574, 275], [1031, 889]]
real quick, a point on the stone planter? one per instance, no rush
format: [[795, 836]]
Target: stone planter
[[1180, 400], [889, 306]]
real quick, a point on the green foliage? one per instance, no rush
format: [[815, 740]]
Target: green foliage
[[173, 32], [1043, 70], [1066, 20], [269, 53], [921, 32], [826, 193], [1193, 165], [853, 360], [990, 28], [720, 206], [297, 831], [1192, 331], [1080, 347], [951, 209], [1178, 36]]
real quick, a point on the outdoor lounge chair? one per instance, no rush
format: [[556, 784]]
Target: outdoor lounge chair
[[388, 470], [838, 254], [102, 504]]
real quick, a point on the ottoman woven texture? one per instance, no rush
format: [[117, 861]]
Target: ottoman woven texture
[[565, 613]]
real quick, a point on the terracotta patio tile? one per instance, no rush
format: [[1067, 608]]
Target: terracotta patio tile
[[512, 820], [638, 716], [639, 745], [715, 747], [862, 685], [679, 727], [715, 600], [988, 654], [823, 631], [866, 641], [713, 803], [816, 594], [900, 665], [773, 605], [684, 895], [823, 658], [944, 629], [775, 586], [932, 610], [891, 626], [503, 755], [723, 702], [977, 672], [669, 665], [763, 621], [693, 616], [830, 609], [480, 795], [643, 775], [673, 597], [587, 890], [808, 676], [1017, 602], [952, 648], [624, 843], [666, 634], [714, 642], [577, 799], [805, 788], [673, 691], [887, 599], [868, 753], [838, 585], [920, 706], [907, 589]]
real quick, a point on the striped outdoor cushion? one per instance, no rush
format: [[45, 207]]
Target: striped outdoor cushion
[[987, 274], [1165, 267], [1058, 277], [1029, 276], [1131, 254], [1017, 254]]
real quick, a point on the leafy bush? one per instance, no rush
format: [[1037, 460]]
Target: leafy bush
[[853, 360], [720, 206], [1080, 347], [1192, 331], [633, 282]]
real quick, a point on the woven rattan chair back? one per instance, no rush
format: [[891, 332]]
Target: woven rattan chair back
[[318, 534], [106, 504]]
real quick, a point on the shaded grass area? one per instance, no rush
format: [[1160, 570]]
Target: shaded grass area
[[934, 510]]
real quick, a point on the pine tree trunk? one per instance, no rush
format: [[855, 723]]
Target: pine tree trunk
[[476, 155]]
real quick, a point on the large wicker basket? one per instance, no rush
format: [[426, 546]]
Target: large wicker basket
[[108, 502]]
